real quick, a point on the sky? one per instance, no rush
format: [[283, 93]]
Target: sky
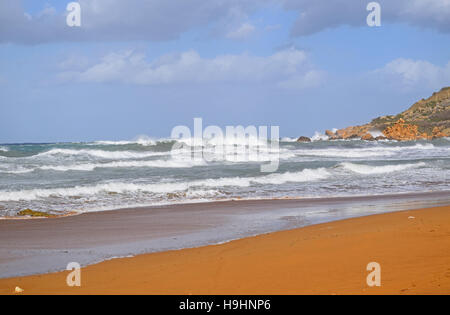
[[142, 67]]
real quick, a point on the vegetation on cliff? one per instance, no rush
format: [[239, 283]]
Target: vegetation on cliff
[[426, 119]]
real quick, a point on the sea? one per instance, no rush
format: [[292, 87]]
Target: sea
[[61, 178]]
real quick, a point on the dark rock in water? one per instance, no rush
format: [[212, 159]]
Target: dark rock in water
[[303, 139], [355, 136], [380, 138]]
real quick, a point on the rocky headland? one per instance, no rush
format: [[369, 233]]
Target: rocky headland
[[427, 119]]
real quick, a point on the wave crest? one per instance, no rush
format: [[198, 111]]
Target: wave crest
[[108, 155], [121, 187], [362, 152], [371, 170], [141, 140]]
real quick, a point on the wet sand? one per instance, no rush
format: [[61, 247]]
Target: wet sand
[[412, 247], [29, 247]]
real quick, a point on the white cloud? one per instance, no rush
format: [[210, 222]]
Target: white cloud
[[289, 68], [115, 20], [243, 32], [409, 73], [315, 16], [160, 20]]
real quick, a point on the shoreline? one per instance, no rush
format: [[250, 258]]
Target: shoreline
[[41, 246], [234, 200], [413, 248]]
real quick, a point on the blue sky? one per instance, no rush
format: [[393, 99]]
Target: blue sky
[[145, 66]]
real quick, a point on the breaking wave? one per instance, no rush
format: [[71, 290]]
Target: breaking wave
[[141, 140], [370, 170], [125, 164], [288, 139], [116, 174], [121, 187], [109, 155], [362, 152], [319, 137], [7, 169]]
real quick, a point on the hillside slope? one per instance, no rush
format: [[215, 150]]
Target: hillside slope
[[426, 119]]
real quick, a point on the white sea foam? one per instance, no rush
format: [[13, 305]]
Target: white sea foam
[[6, 169], [142, 140], [175, 163], [376, 133], [251, 153], [235, 154], [110, 155], [231, 153], [160, 188], [303, 176], [253, 156], [371, 170], [226, 141], [4, 149], [112, 143], [126, 164], [272, 179], [363, 152], [87, 191], [319, 137], [87, 167], [288, 139]]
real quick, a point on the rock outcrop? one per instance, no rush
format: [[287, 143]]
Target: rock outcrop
[[426, 119], [402, 131], [303, 139], [438, 133], [368, 137]]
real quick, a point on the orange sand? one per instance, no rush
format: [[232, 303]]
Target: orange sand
[[414, 254]]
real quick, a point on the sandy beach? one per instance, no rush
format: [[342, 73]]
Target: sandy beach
[[42, 246], [211, 148], [412, 248]]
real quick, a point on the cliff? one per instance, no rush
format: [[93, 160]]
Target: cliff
[[426, 119]]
